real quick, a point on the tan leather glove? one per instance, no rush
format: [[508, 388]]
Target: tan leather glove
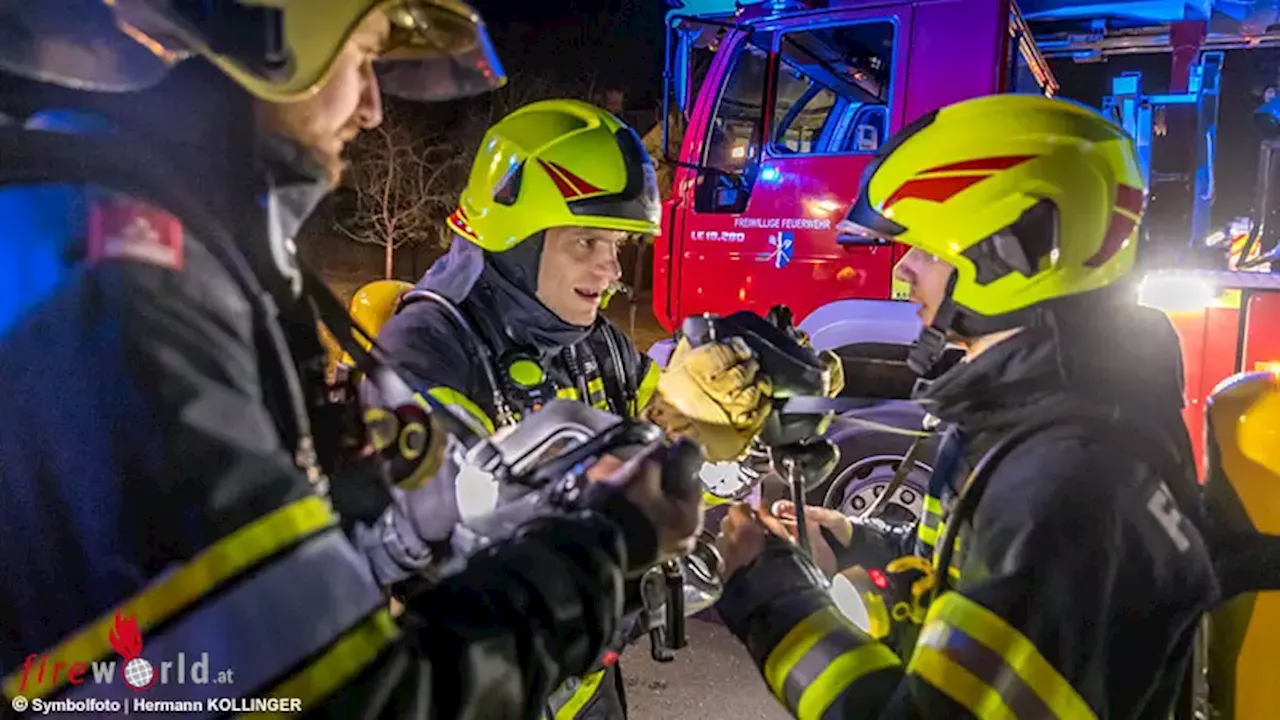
[[835, 372], [830, 361], [714, 395]]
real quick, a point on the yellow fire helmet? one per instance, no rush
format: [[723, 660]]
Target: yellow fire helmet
[[278, 50], [557, 163], [1244, 434], [372, 306], [1028, 198]]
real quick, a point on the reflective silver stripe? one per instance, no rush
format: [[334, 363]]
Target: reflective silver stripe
[[813, 662], [562, 695], [260, 628], [986, 665]]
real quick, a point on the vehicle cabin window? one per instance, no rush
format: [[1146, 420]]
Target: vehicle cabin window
[[833, 90], [732, 150], [735, 129]]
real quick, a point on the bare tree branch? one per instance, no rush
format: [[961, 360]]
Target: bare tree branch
[[404, 182], [406, 175]]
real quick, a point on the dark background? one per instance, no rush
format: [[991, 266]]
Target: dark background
[[586, 48]]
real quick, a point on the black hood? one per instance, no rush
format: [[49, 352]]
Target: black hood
[[503, 286], [1099, 349]]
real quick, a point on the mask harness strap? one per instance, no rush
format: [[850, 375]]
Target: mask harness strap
[[932, 343], [484, 354]]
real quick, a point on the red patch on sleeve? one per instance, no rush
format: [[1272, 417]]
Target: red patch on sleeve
[[125, 229]]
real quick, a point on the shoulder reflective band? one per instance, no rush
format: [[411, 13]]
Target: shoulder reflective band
[[980, 661], [819, 660], [262, 628], [648, 385], [449, 396], [167, 597]]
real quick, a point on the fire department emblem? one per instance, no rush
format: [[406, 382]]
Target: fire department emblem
[[783, 243]]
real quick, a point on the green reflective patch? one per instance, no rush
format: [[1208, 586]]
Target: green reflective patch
[[526, 373]]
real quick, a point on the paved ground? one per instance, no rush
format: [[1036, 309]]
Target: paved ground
[[712, 679]]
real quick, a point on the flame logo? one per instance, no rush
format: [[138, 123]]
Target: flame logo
[[125, 637]]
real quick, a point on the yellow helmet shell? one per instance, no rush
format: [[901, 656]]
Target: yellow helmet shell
[[373, 305], [956, 177], [1244, 419], [557, 163], [436, 49]]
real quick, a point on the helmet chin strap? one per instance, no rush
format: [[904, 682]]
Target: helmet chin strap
[[932, 343]]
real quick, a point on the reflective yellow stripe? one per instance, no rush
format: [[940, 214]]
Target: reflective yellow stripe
[[933, 505], [648, 386], [338, 665], [1019, 654], [713, 500], [567, 393], [959, 685], [927, 535], [595, 390], [844, 671], [796, 643], [449, 396], [581, 696], [170, 595]]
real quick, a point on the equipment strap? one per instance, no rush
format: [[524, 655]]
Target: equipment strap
[[1126, 437]]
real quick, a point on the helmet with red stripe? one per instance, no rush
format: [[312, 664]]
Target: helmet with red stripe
[[557, 163], [1028, 198]]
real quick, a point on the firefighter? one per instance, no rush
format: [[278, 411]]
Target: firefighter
[[510, 317], [166, 474], [1076, 581]]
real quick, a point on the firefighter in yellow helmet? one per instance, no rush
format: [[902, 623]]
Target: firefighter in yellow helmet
[[510, 317], [1066, 580], [169, 472]]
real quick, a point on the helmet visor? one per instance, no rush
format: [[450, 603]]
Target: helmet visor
[[438, 51], [75, 44]]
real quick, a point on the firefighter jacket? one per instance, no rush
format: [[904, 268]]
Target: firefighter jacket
[[161, 506], [502, 355], [478, 341], [1079, 584], [533, 354]]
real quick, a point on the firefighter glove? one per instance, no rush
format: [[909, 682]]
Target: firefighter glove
[[714, 394]]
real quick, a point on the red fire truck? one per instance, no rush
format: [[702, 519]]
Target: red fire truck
[[774, 109]]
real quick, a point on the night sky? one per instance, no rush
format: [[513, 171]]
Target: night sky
[[555, 35]]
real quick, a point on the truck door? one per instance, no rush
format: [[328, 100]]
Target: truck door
[[803, 104]]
